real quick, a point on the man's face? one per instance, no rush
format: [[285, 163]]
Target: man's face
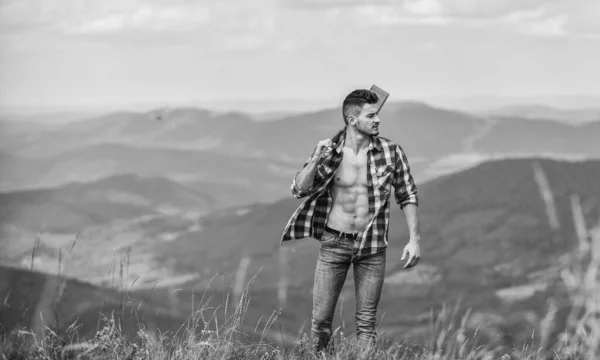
[[367, 122]]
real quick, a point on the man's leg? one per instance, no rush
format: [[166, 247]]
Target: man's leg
[[330, 275], [369, 273]]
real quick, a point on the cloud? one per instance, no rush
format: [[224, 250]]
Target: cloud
[[279, 25], [550, 26], [79, 17], [584, 18], [525, 15], [472, 9], [533, 17], [144, 17], [450, 8], [55, 13], [216, 24], [362, 16], [329, 4], [424, 7], [559, 19]]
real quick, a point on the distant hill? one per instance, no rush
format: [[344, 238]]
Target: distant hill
[[486, 102], [187, 142], [497, 199], [290, 138], [544, 112], [30, 300], [513, 135], [26, 294], [232, 180], [75, 206], [485, 232], [180, 128], [183, 194], [29, 297], [14, 133], [432, 138], [411, 124]]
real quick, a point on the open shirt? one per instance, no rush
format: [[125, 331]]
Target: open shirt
[[387, 166]]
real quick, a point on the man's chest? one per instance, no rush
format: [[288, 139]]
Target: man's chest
[[370, 170], [352, 170]]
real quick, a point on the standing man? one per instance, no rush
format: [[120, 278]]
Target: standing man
[[348, 187]]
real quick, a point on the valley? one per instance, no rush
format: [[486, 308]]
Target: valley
[[166, 212]]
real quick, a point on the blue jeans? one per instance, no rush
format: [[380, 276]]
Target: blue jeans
[[335, 256]]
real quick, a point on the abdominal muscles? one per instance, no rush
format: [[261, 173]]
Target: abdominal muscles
[[350, 212]]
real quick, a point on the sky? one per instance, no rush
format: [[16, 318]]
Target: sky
[[77, 53]]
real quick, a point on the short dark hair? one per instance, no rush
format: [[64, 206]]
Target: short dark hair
[[354, 102]]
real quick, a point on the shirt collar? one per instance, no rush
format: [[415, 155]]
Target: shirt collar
[[374, 143], [341, 141]]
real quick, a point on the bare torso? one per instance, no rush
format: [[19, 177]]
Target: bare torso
[[350, 212]]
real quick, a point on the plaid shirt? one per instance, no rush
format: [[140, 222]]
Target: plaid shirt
[[387, 165]]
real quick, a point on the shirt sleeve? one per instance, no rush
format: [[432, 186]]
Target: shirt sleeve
[[404, 184], [295, 189]]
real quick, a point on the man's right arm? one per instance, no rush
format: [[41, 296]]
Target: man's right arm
[[302, 185]]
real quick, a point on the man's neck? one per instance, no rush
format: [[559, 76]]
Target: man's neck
[[356, 141]]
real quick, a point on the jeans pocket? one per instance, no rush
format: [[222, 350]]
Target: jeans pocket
[[328, 239]]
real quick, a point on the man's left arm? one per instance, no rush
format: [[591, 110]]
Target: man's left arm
[[407, 197]]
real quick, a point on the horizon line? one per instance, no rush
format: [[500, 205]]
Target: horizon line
[[273, 105]]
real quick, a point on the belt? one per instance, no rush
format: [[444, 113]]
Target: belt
[[350, 236]]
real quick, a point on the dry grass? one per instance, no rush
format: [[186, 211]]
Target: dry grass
[[203, 337]]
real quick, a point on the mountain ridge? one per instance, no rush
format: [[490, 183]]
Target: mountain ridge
[[79, 204], [484, 230]]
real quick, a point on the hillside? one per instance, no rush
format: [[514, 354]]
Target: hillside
[[417, 126], [544, 112], [490, 221], [75, 206], [187, 145], [412, 124], [498, 192], [63, 302], [180, 128], [234, 179], [485, 231], [513, 135], [66, 304], [107, 217]]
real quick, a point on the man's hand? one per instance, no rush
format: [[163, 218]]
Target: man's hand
[[324, 148], [306, 176], [412, 249]]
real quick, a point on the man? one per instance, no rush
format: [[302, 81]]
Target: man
[[348, 186]]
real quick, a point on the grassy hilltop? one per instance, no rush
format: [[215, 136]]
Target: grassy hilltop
[[202, 336], [216, 323], [129, 229]]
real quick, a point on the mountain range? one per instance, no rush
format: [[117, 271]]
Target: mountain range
[[485, 231], [544, 112], [75, 206], [197, 146], [169, 198]]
